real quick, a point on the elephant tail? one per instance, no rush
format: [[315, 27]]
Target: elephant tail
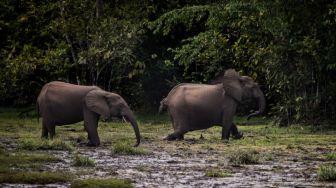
[[163, 105]]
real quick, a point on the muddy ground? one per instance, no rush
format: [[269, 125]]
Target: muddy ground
[[182, 168], [285, 157]]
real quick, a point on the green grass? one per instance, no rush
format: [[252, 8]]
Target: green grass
[[24, 161], [83, 161], [128, 149], [35, 177], [331, 156], [244, 157], [142, 168], [45, 144], [100, 183], [327, 173], [19, 167], [217, 173], [20, 158]]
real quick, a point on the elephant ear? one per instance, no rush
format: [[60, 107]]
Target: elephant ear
[[96, 101], [232, 85]]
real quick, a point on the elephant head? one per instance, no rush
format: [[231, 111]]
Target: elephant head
[[239, 87], [108, 105]]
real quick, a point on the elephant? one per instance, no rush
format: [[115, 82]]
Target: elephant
[[61, 103], [201, 106]]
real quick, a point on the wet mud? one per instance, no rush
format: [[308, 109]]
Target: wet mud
[[184, 167], [178, 169], [185, 164]]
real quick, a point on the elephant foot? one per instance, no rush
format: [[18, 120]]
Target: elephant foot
[[238, 136], [90, 144], [225, 141], [170, 137], [173, 136], [44, 137]]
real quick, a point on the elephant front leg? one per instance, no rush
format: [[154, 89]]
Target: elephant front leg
[[226, 129], [93, 135], [85, 128], [227, 119], [235, 133], [226, 133], [91, 126]]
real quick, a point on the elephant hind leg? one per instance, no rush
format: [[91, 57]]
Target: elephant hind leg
[[177, 135], [51, 130], [174, 136], [178, 124], [48, 127], [44, 130]]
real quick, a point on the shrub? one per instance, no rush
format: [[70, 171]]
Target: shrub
[[35, 177], [327, 173], [127, 149], [32, 144], [82, 161], [244, 157], [20, 158], [331, 156], [217, 173]]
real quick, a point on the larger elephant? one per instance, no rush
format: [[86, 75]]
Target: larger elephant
[[200, 106], [62, 103]]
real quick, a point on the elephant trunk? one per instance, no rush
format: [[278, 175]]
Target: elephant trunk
[[262, 104], [163, 105], [130, 118]]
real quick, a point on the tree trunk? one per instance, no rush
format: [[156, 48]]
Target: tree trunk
[[99, 8]]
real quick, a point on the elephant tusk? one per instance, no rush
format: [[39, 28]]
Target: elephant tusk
[[124, 119], [253, 114]]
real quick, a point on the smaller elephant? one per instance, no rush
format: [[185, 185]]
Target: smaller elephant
[[61, 103], [200, 106]]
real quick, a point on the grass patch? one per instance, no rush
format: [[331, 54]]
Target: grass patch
[[217, 173], [244, 157], [11, 162], [35, 177], [127, 149], [142, 168], [266, 157], [97, 183], [44, 144], [327, 173], [331, 156], [83, 161], [24, 161], [19, 158]]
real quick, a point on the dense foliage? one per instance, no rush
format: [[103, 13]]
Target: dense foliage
[[140, 49]]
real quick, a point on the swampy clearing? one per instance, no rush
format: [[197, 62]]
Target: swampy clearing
[[302, 156]]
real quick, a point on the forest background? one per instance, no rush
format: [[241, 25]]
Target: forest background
[[142, 48]]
